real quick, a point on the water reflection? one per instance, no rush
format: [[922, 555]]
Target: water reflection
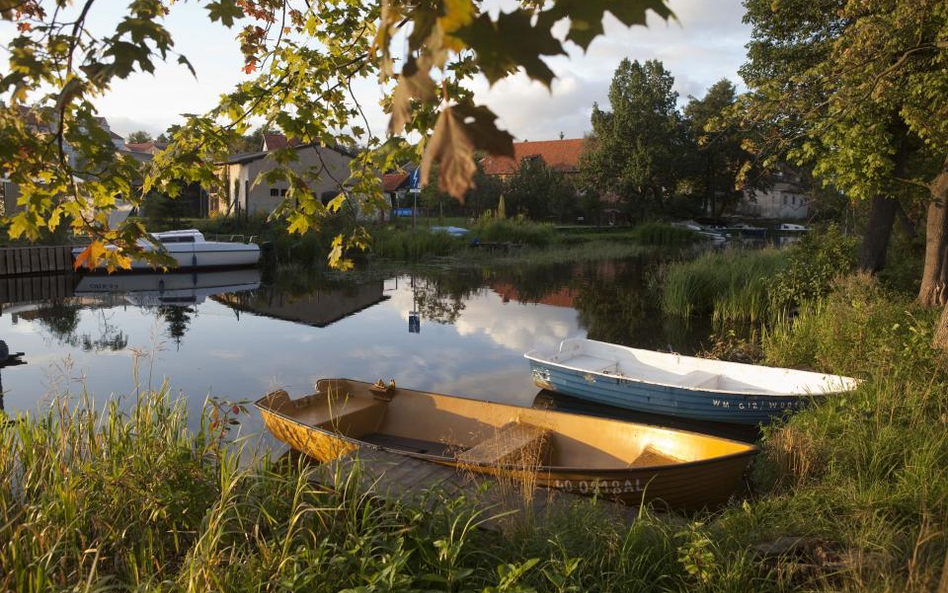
[[230, 335]]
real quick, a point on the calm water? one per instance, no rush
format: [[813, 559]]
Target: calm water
[[230, 335]]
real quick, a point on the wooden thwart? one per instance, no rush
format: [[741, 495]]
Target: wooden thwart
[[514, 443]]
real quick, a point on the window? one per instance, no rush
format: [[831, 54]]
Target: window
[[282, 192], [793, 200], [180, 239], [785, 200], [274, 192]]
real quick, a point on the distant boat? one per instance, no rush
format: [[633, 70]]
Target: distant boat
[[675, 385], [746, 230], [580, 454], [707, 233], [454, 231], [788, 227], [190, 249]]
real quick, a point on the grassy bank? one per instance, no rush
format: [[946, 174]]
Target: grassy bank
[[137, 501], [756, 285]]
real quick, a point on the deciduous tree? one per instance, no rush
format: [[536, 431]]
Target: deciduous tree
[[303, 57], [635, 148]]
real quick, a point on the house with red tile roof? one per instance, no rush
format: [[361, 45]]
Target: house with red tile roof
[[559, 155], [277, 141]]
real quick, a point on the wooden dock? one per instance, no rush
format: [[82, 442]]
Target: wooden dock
[[35, 259], [407, 480]]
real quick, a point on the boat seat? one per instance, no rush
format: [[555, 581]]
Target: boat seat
[[699, 379], [514, 443], [593, 364], [358, 417], [651, 456]]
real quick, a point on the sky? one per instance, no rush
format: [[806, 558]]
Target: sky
[[703, 46]]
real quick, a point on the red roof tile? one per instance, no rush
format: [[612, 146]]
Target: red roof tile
[[560, 155], [393, 181], [278, 141], [151, 147]]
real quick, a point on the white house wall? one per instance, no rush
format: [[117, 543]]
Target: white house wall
[[261, 200]]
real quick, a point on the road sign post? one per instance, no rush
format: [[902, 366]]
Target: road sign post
[[414, 186]]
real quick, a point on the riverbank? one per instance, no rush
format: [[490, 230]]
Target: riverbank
[[848, 495]]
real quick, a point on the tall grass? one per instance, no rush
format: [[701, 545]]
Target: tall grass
[[110, 500], [414, 244], [662, 234], [514, 230], [868, 469], [730, 285]]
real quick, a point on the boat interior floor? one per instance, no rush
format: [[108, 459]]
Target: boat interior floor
[[408, 445]]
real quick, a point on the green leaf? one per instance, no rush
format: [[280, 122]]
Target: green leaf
[[225, 11], [510, 42], [585, 16]]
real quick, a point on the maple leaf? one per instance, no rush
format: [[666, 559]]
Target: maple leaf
[[585, 16], [460, 130], [90, 256], [413, 83], [510, 42], [224, 11], [250, 67]]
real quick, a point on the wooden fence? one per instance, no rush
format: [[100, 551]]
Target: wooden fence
[[36, 259]]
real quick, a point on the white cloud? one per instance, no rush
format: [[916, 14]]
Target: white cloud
[[704, 45]]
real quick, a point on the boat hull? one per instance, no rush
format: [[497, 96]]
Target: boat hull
[[686, 485], [695, 404], [235, 255]]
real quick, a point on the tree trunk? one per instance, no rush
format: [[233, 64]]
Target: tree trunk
[[875, 242], [935, 274]]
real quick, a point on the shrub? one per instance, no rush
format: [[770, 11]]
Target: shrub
[[859, 329], [813, 264], [660, 234], [414, 244], [513, 230]]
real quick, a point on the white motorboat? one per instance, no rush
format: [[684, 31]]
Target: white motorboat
[[788, 227], [191, 250]]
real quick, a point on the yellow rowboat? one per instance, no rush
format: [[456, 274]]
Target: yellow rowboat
[[613, 459]]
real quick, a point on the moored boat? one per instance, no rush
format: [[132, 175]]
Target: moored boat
[[191, 250], [675, 385], [610, 458]]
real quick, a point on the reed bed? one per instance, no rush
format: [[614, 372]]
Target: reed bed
[[660, 234], [731, 285]]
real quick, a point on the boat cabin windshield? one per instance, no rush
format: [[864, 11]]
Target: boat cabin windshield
[[176, 239]]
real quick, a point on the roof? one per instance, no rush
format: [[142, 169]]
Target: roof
[[278, 141], [150, 147], [559, 155], [115, 136], [393, 181], [249, 157]]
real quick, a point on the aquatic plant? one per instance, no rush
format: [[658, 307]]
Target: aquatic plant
[[731, 285], [662, 234]]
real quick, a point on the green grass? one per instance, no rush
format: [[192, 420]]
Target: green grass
[[514, 230], [757, 286], [730, 285], [663, 235], [110, 500]]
